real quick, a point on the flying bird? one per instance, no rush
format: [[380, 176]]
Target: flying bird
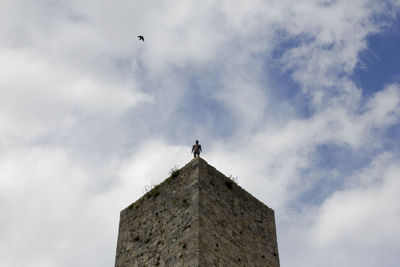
[[141, 38]]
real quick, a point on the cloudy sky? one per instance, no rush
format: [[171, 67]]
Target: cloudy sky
[[300, 101]]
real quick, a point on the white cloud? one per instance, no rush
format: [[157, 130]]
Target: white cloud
[[43, 202], [39, 96], [356, 226]]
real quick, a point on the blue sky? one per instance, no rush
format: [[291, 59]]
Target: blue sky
[[379, 63], [300, 101]]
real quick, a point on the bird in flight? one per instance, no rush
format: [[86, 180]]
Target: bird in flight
[[141, 38]]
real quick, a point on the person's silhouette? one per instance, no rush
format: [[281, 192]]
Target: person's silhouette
[[196, 149]]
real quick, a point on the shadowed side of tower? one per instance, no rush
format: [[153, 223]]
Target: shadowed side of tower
[[197, 218], [235, 228]]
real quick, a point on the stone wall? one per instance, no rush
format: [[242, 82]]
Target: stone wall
[[197, 218]]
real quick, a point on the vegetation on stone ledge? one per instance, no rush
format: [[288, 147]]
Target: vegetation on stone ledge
[[174, 172], [152, 190], [229, 184], [155, 192]]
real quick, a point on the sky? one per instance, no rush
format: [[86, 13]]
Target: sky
[[300, 100]]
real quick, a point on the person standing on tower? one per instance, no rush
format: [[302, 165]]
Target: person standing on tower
[[196, 149]]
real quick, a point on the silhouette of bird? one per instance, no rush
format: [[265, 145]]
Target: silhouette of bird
[[141, 38]]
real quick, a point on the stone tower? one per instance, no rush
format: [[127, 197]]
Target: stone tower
[[197, 217]]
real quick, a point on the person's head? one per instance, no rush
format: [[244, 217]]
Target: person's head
[[197, 141]]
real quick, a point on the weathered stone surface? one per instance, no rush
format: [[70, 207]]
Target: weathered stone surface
[[198, 218]]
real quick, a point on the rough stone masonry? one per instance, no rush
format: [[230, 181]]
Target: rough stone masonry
[[197, 217]]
